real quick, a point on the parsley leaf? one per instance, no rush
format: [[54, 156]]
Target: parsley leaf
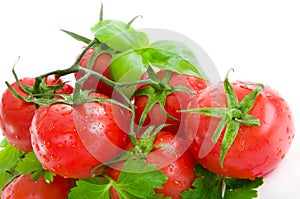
[[241, 188], [209, 185], [9, 157], [88, 190], [139, 179], [136, 181], [30, 164]]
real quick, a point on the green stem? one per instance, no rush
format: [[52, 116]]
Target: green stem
[[127, 84], [74, 68], [77, 89], [92, 43], [38, 80]]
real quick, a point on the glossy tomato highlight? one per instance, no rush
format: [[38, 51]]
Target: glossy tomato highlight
[[71, 140], [256, 150]]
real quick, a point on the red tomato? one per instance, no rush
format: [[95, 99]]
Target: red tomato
[[56, 81], [256, 151], [178, 167], [178, 100], [71, 141], [16, 115], [26, 188], [101, 65]]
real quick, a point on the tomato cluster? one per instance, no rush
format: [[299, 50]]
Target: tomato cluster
[[170, 117]]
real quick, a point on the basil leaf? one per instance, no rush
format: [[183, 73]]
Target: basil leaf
[[127, 67], [171, 55], [119, 35]]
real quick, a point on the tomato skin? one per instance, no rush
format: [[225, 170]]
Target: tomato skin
[[256, 151], [178, 100], [26, 188], [101, 65], [16, 115], [179, 169], [62, 137]]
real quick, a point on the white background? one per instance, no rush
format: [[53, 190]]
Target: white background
[[259, 38]]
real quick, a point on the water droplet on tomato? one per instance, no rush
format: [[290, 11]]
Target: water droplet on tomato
[[51, 127], [73, 145], [40, 124], [172, 169], [37, 147], [241, 146], [67, 112], [55, 158], [46, 159], [48, 144], [68, 131], [269, 96], [246, 86], [177, 183], [279, 153], [288, 130], [43, 114]]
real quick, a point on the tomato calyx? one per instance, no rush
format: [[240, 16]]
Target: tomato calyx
[[138, 150], [157, 93], [235, 114]]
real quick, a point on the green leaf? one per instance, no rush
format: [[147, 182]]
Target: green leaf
[[208, 185], [176, 47], [96, 180], [77, 37], [9, 156], [139, 183], [127, 67], [170, 59], [139, 179], [88, 190], [119, 35], [241, 188], [31, 165], [5, 178]]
